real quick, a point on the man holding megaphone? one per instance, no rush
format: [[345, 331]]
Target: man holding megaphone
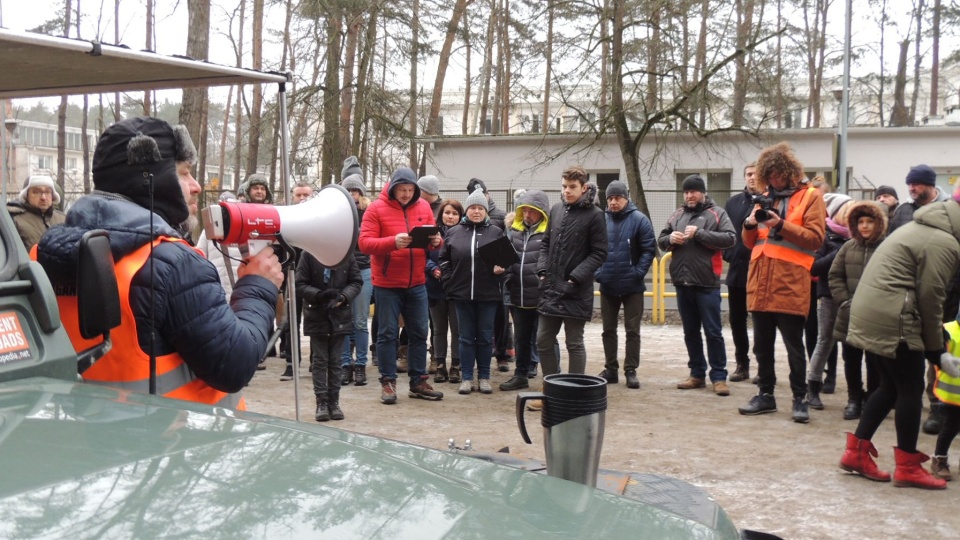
[[388, 234]]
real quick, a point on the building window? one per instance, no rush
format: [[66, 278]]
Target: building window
[[71, 163], [43, 162]]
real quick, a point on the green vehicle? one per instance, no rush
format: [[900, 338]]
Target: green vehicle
[[84, 461]]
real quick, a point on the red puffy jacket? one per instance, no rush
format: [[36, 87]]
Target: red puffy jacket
[[385, 218]]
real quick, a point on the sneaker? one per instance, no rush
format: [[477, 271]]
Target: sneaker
[[485, 387], [503, 366], [801, 414], [422, 389], [632, 380], [515, 383], [454, 374], [388, 392], [609, 376], [465, 388], [759, 404], [287, 373], [532, 373], [720, 388], [690, 383]]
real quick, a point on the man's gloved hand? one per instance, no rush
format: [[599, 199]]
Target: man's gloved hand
[[326, 295], [950, 364], [340, 299]]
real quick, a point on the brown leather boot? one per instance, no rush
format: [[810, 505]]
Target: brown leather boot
[[858, 458], [742, 373], [940, 469]]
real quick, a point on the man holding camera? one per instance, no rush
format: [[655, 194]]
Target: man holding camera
[[696, 234], [784, 230]]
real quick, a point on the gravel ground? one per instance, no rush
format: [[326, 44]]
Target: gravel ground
[[768, 473]]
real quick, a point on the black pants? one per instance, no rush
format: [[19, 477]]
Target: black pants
[[948, 428], [852, 358], [737, 303], [901, 389], [765, 326]]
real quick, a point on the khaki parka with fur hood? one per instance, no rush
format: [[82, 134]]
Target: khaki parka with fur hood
[[900, 296], [848, 265]]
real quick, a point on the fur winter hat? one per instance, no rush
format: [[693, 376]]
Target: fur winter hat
[[39, 181], [477, 198], [132, 152]]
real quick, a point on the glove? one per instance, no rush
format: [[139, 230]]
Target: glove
[[340, 299], [950, 364], [325, 296]]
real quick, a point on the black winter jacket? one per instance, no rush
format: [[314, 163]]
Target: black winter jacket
[[320, 287], [523, 281], [823, 260], [698, 262], [463, 272], [738, 208], [222, 344], [573, 248]]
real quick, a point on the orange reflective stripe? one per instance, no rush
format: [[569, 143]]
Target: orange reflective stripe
[[779, 248], [127, 366]]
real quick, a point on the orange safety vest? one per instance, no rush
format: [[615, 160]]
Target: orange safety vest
[[127, 366], [780, 248]]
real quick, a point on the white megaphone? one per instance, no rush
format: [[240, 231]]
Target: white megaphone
[[325, 226]]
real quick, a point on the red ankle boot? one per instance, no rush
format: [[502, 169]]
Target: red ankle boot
[[858, 458], [909, 472]]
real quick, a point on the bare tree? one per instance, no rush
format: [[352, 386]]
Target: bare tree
[[900, 113], [62, 111], [194, 101], [935, 61], [744, 32], [414, 61], [256, 101], [459, 9], [917, 59]]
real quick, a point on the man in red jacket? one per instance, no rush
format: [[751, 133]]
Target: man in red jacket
[[398, 281]]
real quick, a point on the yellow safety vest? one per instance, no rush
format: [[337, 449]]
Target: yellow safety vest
[[947, 388]]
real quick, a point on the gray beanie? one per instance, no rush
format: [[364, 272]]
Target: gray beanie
[[354, 182], [476, 198], [351, 165], [429, 184], [617, 189]]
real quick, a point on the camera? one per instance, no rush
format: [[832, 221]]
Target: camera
[[766, 206]]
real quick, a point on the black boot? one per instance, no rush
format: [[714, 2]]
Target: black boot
[[852, 410], [813, 395], [830, 381], [932, 424], [323, 412], [360, 375], [346, 375], [333, 404], [742, 372]]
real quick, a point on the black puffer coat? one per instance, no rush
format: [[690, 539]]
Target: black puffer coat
[[463, 272], [318, 286], [738, 208], [573, 248], [523, 281]]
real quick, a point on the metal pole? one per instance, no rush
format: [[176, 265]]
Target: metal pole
[[294, 343], [844, 104], [3, 152]]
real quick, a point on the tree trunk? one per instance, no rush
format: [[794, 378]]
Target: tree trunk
[[238, 176], [545, 121], [701, 59], [917, 58], [506, 53], [116, 40], [330, 153], [899, 114], [605, 57], [442, 63], [354, 20], [147, 101], [653, 58], [414, 60], [742, 74], [883, 72], [465, 120], [62, 114], [487, 71], [256, 102], [364, 74], [935, 61], [85, 144], [222, 162], [195, 99]]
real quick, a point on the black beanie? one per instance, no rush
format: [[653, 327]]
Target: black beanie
[[694, 182], [129, 152], [473, 183]]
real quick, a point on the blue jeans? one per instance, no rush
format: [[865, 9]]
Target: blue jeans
[[700, 306], [412, 304], [476, 320], [361, 312]]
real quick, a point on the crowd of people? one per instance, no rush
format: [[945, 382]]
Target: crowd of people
[[879, 278]]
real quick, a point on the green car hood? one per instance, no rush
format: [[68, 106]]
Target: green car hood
[[81, 461]]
